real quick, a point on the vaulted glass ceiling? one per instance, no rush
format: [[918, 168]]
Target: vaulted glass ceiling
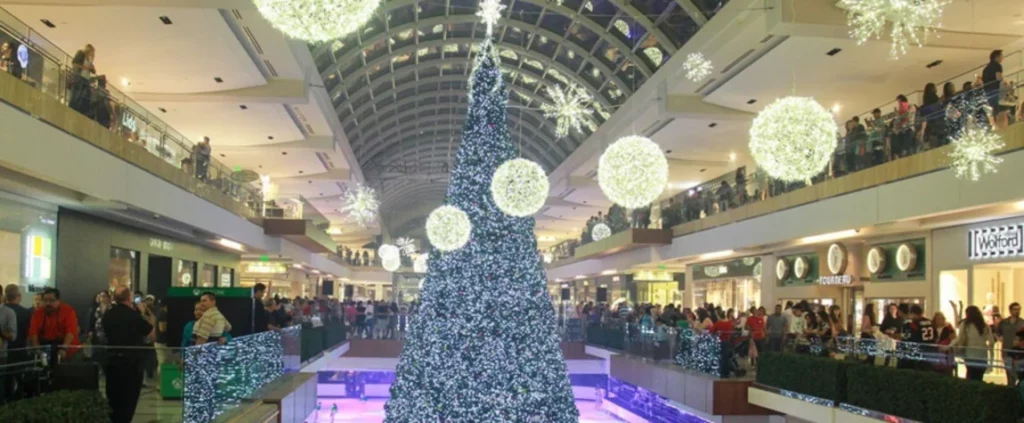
[[400, 86]]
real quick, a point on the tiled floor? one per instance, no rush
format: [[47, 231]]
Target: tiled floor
[[154, 409], [372, 411]]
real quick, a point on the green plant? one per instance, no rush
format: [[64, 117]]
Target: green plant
[[59, 407], [816, 376], [931, 397]]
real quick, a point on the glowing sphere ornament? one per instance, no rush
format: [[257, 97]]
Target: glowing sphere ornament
[[391, 264], [697, 67], [600, 231], [448, 228], [519, 187], [317, 20], [632, 172], [793, 139], [388, 251]]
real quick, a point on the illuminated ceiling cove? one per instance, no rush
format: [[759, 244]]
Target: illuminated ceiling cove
[[399, 85]]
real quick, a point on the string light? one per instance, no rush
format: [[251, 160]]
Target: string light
[[520, 187], [699, 351], [317, 20], [632, 172], [600, 231], [973, 153], [218, 376], [448, 228], [793, 139], [911, 21], [570, 107], [461, 361], [697, 67], [361, 205]]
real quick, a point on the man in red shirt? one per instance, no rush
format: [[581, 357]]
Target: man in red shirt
[[55, 325], [755, 324]]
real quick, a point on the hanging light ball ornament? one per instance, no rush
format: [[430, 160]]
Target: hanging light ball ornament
[[905, 22], [793, 139], [420, 264], [391, 264], [600, 231], [448, 228], [519, 187], [388, 251], [632, 172], [317, 20]]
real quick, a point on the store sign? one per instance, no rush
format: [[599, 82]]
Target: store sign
[[835, 280], [995, 242], [160, 244], [265, 268]]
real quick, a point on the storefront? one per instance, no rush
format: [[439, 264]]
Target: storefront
[[28, 234], [659, 287], [282, 279], [732, 284], [96, 255], [980, 264]]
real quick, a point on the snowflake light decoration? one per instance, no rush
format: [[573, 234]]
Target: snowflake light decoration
[[793, 139], [490, 13], [697, 67], [974, 151], [570, 107], [519, 187], [911, 21], [317, 20], [632, 172], [406, 246], [600, 231], [361, 205], [448, 228]]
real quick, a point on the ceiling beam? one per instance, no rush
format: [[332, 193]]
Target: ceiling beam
[[315, 142], [521, 52], [694, 107], [523, 26], [338, 175], [648, 25], [579, 18], [531, 152], [694, 11], [275, 91]]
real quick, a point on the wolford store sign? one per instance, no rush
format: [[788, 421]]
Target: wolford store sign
[[996, 242]]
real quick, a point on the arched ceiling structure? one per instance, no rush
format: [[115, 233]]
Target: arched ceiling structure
[[400, 85]]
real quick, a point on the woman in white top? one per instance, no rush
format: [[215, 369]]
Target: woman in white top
[[975, 337]]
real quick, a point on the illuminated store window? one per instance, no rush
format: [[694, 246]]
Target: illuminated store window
[[124, 268], [38, 258], [28, 244], [208, 276], [185, 274]]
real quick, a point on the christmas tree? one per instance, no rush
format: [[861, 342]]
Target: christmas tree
[[482, 346]]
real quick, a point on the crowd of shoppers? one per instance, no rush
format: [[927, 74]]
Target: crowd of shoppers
[[377, 319]]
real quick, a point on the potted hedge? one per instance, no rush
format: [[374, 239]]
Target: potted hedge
[[58, 407]]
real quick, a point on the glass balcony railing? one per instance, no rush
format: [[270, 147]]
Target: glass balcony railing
[[876, 141], [31, 58]]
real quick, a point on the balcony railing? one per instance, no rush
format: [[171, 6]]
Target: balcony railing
[[108, 118], [893, 148]]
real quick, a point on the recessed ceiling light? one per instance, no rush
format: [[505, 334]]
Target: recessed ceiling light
[[261, 166], [300, 172], [48, 23], [217, 78], [933, 64], [834, 51], [222, 155], [732, 156], [165, 20], [162, 109], [712, 125], [284, 153], [270, 137], [311, 182], [703, 170], [668, 151], [243, 107], [752, 101], [125, 82]]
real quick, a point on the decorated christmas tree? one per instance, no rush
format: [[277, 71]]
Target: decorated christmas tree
[[482, 346]]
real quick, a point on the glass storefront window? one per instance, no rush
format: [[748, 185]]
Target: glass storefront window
[[28, 239], [208, 277], [996, 286], [227, 277], [952, 290], [738, 294], [124, 268], [185, 275]]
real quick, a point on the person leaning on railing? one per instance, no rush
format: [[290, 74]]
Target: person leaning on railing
[[82, 72]]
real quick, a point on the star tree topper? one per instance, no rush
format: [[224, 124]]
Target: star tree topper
[[490, 12]]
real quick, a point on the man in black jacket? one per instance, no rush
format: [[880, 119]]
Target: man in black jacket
[[124, 327]]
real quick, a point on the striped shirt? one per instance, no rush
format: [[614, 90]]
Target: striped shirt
[[212, 325]]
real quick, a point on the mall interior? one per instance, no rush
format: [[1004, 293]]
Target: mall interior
[[512, 210]]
